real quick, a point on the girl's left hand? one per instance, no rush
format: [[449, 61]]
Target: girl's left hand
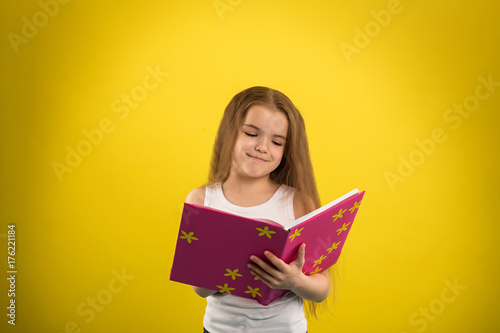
[[282, 275]]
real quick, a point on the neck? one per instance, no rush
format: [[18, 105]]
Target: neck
[[248, 184], [248, 192]]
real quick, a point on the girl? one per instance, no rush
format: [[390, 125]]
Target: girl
[[261, 169]]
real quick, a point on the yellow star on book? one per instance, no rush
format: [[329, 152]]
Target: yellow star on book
[[344, 228], [255, 276], [232, 274], [334, 247], [319, 261], [225, 289], [339, 214], [317, 270], [266, 232], [354, 207], [189, 237], [296, 233], [253, 291]]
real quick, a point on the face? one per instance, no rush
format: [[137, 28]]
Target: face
[[260, 142]]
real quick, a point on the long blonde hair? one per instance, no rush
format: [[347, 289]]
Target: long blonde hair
[[295, 169]]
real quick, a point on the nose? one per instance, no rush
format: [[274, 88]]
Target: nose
[[261, 146]]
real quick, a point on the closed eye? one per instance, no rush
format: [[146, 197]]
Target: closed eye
[[279, 144], [251, 134]]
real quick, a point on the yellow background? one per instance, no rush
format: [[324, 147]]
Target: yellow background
[[120, 208]]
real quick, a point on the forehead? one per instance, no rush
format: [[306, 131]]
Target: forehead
[[267, 119]]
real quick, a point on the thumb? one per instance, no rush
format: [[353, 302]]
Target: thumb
[[301, 256]]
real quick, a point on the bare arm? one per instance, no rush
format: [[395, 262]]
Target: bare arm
[[197, 197], [315, 287]]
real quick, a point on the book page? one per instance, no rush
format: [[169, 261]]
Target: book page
[[322, 209]]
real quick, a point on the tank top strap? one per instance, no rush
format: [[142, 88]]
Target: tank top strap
[[210, 191]]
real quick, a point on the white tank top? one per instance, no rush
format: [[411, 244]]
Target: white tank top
[[228, 313]]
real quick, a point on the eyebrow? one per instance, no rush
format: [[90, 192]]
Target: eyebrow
[[258, 129]]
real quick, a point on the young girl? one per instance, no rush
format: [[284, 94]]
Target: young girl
[[261, 169]]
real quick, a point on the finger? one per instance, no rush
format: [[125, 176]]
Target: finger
[[301, 256], [267, 283], [263, 279], [264, 265], [261, 273], [268, 279], [277, 262]]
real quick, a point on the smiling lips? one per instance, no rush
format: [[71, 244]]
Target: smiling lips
[[258, 159]]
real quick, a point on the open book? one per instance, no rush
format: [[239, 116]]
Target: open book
[[214, 247]]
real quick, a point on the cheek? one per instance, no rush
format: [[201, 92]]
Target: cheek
[[278, 153], [245, 143], [240, 146]]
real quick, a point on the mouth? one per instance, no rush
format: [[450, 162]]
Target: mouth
[[255, 158]]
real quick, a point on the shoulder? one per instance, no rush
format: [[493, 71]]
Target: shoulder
[[302, 204], [196, 196]]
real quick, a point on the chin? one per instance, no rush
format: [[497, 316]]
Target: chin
[[255, 174]]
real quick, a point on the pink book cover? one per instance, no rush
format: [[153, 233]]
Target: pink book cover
[[214, 247]]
